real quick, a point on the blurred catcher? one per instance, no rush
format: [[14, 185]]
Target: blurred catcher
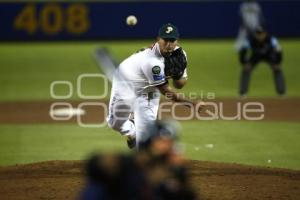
[[157, 171]]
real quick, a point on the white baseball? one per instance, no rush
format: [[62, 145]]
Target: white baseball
[[131, 20]]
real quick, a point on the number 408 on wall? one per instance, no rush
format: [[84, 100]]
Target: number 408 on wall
[[52, 19]]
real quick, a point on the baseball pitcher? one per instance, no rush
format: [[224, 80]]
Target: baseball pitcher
[[140, 79]]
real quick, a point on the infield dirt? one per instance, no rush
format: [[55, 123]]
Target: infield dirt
[[65, 179], [275, 109]]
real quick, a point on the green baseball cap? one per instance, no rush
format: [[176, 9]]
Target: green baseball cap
[[168, 31]]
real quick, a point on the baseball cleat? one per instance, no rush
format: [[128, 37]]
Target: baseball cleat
[[131, 141]]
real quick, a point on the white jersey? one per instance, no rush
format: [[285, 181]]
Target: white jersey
[[134, 92], [141, 72], [251, 15]]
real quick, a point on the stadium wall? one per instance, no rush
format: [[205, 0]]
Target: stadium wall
[[106, 20]]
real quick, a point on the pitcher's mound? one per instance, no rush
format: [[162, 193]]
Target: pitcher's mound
[[64, 179]]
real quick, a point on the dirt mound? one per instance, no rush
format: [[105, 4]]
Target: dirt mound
[[64, 179]]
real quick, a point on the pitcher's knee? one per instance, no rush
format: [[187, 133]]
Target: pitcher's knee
[[123, 127], [114, 125]]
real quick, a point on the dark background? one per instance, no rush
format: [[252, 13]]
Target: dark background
[[200, 19]]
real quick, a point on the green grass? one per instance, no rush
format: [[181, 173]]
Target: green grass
[[251, 143], [33, 143], [27, 70]]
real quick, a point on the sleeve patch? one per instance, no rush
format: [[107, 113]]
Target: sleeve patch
[[156, 70]]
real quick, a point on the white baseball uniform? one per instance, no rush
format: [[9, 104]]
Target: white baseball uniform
[[134, 91], [251, 17], [251, 14]]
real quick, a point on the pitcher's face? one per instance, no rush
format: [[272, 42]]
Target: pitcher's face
[[166, 46]]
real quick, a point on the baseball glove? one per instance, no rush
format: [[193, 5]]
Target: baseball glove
[[175, 64]]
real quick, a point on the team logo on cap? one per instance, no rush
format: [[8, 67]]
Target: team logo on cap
[[169, 29]]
